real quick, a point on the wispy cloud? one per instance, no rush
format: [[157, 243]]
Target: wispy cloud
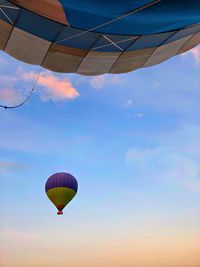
[[99, 82], [7, 80], [10, 96], [9, 93], [195, 52], [3, 61], [13, 234], [129, 104], [172, 161], [139, 115], [7, 166], [52, 88], [166, 163]]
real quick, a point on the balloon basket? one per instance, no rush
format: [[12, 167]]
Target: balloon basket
[[59, 213]]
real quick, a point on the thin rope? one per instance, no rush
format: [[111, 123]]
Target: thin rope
[[113, 43], [27, 98], [9, 7], [110, 21], [118, 42], [6, 15]]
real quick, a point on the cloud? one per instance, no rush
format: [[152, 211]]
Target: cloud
[[173, 95], [139, 115], [116, 80], [99, 82], [53, 88], [195, 52], [9, 166], [3, 61], [7, 80], [15, 235], [10, 96], [166, 163], [174, 162], [129, 103]]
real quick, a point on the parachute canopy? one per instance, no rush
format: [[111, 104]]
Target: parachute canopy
[[92, 37], [61, 189]]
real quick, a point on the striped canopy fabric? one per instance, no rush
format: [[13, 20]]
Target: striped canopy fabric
[[93, 37]]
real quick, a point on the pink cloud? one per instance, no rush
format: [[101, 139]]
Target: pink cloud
[[196, 53], [10, 165], [53, 88], [11, 96], [99, 82]]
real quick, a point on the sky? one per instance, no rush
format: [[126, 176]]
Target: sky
[[132, 142]]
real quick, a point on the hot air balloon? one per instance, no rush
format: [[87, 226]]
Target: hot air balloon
[[61, 189], [92, 37]]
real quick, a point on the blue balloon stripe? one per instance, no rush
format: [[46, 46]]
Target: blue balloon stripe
[[165, 15], [61, 180]]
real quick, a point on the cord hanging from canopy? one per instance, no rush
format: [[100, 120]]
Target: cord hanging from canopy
[[27, 98]]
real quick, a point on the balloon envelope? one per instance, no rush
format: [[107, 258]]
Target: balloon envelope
[[93, 37], [61, 189]]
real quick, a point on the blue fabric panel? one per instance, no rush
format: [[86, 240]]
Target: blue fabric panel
[[183, 33], [61, 180], [149, 41], [90, 13], [11, 13], [124, 43], [38, 25], [84, 41], [167, 15]]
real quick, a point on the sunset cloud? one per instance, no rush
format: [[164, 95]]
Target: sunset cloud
[[53, 88], [11, 166], [99, 82], [13, 92], [195, 52], [10, 96]]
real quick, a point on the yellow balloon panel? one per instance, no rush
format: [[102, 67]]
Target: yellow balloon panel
[[60, 196]]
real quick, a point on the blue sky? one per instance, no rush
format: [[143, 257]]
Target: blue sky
[[131, 140]]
